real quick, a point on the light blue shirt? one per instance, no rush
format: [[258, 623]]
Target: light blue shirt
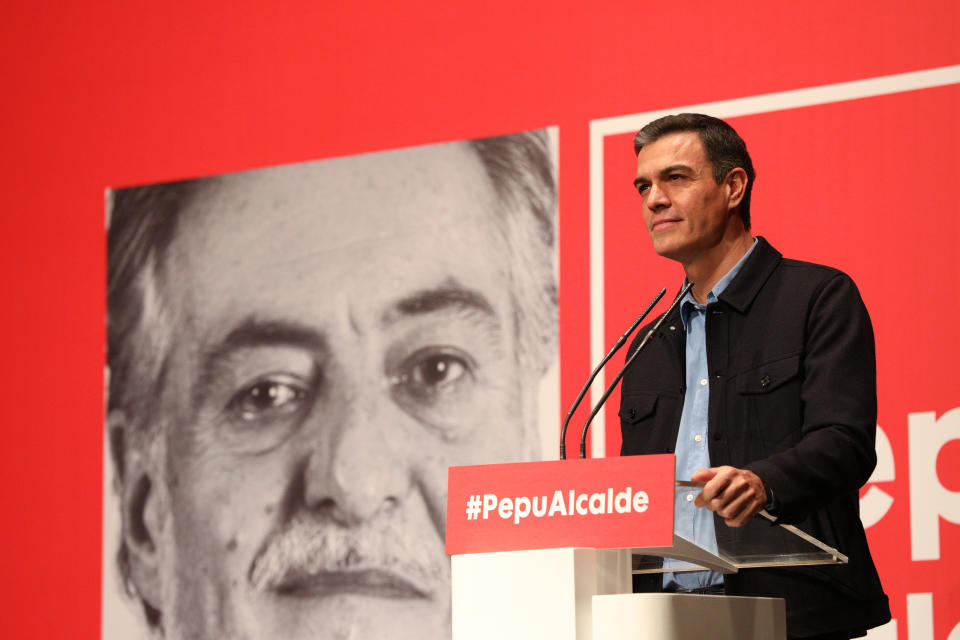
[[696, 524]]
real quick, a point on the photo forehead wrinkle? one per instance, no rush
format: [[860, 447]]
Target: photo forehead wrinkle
[[340, 221], [281, 203], [449, 296]]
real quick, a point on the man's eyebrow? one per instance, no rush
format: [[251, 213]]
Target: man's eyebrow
[[449, 296], [675, 167], [252, 333], [663, 172]]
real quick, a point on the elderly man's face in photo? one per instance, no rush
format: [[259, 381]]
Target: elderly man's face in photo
[[346, 332]]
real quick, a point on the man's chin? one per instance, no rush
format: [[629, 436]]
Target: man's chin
[[668, 250], [357, 613], [673, 246]]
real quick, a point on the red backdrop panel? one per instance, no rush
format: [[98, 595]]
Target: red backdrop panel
[[115, 93]]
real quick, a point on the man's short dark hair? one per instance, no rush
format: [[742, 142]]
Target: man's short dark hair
[[724, 147]]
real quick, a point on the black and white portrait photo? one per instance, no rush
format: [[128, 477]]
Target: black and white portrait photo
[[296, 355]]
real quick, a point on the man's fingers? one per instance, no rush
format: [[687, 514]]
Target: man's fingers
[[726, 495], [740, 510], [705, 475], [746, 511], [720, 479], [736, 495]]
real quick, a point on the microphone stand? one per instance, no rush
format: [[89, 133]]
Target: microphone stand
[[630, 359], [616, 347]]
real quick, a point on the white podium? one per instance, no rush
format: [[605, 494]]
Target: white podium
[[547, 551]]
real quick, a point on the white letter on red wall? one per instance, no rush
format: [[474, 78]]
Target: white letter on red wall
[[876, 502], [930, 500]]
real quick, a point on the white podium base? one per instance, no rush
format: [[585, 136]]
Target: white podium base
[[584, 594], [668, 616], [528, 595]]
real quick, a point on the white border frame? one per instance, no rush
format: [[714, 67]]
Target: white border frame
[[751, 105]]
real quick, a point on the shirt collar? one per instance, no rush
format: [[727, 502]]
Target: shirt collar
[[689, 303]]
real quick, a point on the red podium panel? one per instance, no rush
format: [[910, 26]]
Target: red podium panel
[[603, 503]]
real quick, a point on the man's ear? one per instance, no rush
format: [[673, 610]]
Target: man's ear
[[736, 182], [142, 511]]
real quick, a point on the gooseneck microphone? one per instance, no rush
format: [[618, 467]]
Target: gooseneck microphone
[[630, 358], [616, 347]]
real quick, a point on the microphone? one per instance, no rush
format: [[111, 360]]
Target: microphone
[[630, 359], [616, 347]]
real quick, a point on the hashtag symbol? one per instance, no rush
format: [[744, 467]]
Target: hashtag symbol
[[473, 507]]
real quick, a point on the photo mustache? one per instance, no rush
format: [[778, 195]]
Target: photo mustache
[[310, 547]]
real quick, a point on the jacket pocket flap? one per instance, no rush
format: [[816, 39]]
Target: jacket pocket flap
[[636, 407], [769, 376]]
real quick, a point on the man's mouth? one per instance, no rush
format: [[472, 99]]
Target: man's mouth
[[663, 223], [370, 582]]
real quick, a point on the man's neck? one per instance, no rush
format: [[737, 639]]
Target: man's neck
[[707, 268]]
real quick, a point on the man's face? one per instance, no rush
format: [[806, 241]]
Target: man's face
[[685, 211], [347, 336]]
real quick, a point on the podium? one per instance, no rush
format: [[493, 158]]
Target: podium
[[548, 550]]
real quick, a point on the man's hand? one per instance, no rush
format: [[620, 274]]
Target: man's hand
[[736, 495]]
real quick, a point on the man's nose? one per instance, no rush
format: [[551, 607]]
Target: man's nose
[[362, 469], [656, 198]]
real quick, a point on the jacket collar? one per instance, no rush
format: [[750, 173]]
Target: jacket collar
[[741, 291]]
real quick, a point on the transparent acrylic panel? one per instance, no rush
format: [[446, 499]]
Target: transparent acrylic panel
[[759, 543]]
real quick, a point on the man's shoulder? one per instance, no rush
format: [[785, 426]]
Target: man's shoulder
[[799, 284], [806, 270], [803, 268], [788, 285], [814, 276]]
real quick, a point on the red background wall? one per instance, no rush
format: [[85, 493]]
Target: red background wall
[[127, 92]]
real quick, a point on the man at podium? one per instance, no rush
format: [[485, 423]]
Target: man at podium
[[762, 381]]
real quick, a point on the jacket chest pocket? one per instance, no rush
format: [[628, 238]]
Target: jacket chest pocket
[[769, 399], [644, 424], [636, 407]]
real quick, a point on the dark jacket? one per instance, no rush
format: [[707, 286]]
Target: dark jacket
[[792, 369]]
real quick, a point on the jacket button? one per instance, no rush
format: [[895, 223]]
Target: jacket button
[[765, 381], [633, 413], [717, 435]]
